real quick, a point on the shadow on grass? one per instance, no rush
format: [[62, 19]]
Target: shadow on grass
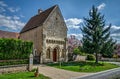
[[31, 76]]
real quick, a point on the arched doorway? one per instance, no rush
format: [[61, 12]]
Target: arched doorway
[[36, 57], [54, 55]]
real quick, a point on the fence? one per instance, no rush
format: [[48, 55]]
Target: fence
[[13, 62], [13, 68], [110, 59]]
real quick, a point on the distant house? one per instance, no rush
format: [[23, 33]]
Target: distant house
[[6, 34], [48, 32]]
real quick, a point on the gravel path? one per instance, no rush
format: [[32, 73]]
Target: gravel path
[[55, 73]]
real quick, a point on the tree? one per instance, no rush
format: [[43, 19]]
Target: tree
[[96, 37]]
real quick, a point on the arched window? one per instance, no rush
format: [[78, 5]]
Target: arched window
[[35, 52], [62, 54], [48, 54]]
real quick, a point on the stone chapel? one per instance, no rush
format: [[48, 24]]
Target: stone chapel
[[48, 32]]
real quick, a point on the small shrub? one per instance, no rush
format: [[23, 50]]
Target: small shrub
[[90, 57], [76, 51], [33, 70]]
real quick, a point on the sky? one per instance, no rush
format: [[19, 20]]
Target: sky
[[14, 14]]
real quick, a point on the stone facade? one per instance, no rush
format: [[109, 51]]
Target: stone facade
[[49, 39]]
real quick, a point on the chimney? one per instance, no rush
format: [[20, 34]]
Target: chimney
[[40, 11]]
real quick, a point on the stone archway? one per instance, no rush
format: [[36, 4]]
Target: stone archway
[[54, 54]]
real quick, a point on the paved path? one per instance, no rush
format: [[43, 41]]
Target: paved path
[[55, 73]]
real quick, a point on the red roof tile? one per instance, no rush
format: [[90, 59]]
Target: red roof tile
[[6, 34]]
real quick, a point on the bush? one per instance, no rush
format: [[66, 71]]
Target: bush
[[90, 57]]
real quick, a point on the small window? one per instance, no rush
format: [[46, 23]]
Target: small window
[[48, 54], [35, 52], [56, 18]]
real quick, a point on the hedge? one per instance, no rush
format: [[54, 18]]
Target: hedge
[[14, 49]]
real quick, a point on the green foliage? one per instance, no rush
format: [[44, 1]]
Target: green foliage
[[14, 49], [96, 37], [90, 57]]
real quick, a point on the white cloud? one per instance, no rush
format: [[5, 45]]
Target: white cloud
[[3, 4], [10, 22], [22, 16], [115, 35], [2, 9], [78, 36], [17, 9], [115, 27], [101, 6], [16, 17], [11, 9], [73, 22]]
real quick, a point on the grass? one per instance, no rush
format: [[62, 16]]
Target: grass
[[87, 66], [22, 75]]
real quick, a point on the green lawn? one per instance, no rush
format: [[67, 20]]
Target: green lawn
[[22, 75], [87, 66]]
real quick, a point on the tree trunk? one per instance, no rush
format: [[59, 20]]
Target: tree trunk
[[96, 60]]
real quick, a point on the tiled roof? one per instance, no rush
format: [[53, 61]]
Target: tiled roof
[[6, 34], [37, 20]]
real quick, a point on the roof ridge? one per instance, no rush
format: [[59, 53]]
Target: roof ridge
[[38, 19], [51, 12]]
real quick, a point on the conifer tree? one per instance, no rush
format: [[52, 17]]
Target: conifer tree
[[96, 37]]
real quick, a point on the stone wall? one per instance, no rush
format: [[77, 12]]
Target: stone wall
[[13, 68], [79, 58]]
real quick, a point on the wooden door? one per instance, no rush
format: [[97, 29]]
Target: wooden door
[[54, 55]]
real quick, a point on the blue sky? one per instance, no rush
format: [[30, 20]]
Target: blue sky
[[14, 14]]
